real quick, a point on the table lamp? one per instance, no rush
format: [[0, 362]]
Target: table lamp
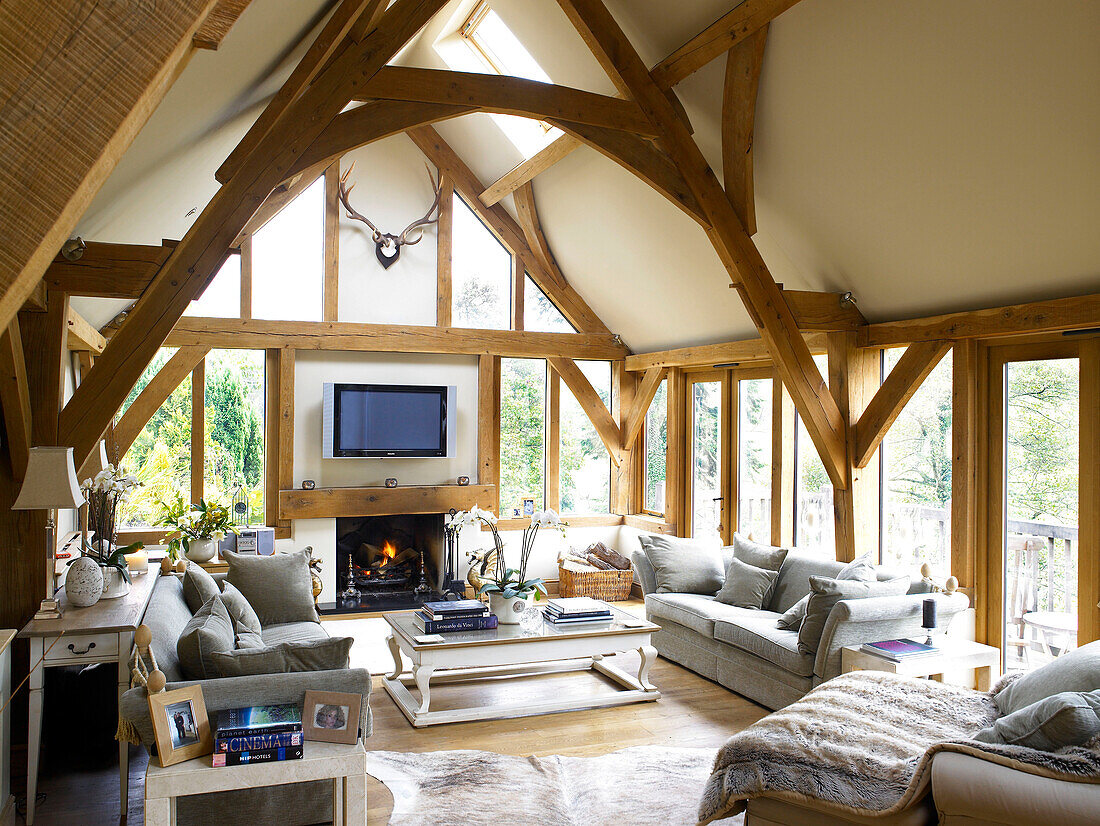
[[49, 484]]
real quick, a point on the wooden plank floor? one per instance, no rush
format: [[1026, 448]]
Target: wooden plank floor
[[692, 711]]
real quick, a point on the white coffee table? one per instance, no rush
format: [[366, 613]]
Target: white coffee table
[[510, 651], [345, 765], [954, 655]]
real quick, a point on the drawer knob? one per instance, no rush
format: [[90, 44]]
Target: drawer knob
[[91, 645]]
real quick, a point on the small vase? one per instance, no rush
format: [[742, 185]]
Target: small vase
[[201, 550], [508, 611], [84, 582], [114, 583]]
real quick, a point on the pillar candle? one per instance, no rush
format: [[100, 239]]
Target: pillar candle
[[138, 561], [929, 614]]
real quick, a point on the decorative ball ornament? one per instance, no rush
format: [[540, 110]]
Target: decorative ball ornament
[[156, 682], [143, 636], [166, 566], [951, 585], [926, 570], [84, 582], [181, 566]]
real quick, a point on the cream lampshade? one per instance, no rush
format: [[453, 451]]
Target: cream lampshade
[[50, 484]]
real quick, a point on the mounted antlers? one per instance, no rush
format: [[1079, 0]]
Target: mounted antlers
[[387, 247]]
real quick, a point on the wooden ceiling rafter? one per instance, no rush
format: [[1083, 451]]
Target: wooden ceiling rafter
[[592, 405], [218, 23], [520, 174], [918, 360], [108, 270], [820, 413], [205, 246], [743, 63], [15, 398], [643, 398], [83, 335], [505, 227]]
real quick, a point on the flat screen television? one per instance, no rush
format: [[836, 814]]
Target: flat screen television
[[388, 421]]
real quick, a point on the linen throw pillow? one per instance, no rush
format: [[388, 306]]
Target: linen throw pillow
[[793, 616], [1066, 719], [859, 570], [682, 566], [208, 632], [826, 592], [198, 587], [315, 655], [277, 587], [245, 622], [1077, 670], [768, 557], [746, 585]]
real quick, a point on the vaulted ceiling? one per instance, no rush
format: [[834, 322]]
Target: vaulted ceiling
[[927, 156]]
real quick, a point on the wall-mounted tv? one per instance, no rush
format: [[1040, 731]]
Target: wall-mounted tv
[[388, 421]]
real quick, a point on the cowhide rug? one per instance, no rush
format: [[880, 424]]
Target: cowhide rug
[[640, 786]]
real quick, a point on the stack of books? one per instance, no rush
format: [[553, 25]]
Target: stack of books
[[576, 611], [898, 650], [456, 615], [258, 734]]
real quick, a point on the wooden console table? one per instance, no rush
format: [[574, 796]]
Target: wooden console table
[[102, 633]]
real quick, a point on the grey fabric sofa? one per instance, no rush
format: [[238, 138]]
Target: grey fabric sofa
[[742, 648], [295, 805]]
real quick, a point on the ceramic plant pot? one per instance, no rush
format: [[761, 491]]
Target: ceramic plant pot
[[114, 583], [508, 611], [202, 550], [84, 582]]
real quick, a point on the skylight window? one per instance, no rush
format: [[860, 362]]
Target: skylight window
[[492, 47]]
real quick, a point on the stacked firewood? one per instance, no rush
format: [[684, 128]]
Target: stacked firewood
[[598, 557]]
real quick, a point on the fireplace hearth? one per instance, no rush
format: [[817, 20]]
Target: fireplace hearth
[[387, 562]]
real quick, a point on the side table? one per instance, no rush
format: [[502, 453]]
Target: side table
[[953, 655], [345, 765], [101, 633]]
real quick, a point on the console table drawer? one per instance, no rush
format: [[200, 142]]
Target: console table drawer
[[89, 646]]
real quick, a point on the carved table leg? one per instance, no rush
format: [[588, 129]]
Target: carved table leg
[[648, 654], [422, 674], [395, 650]]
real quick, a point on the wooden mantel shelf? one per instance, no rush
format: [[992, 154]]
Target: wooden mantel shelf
[[326, 503]]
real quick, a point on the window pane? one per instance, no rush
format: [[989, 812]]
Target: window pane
[[916, 461], [222, 298], [656, 442], [160, 456], [585, 466], [288, 260], [754, 459], [481, 274], [539, 313], [814, 528], [706, 452], [522, 434], [233, 447]]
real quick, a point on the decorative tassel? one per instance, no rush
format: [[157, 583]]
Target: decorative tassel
[[127, 733]]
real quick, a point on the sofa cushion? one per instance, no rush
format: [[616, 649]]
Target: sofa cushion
[[794, 577], [747, 586], [1066, 719], [768, 557], [859, 570], [694, 611], [758, 635], [827, 592], [791, 620], [316, 655], [682, 566], [198, 586], [1077, 670], [294, 632], [278, 587], [208, 632], [246, 624]]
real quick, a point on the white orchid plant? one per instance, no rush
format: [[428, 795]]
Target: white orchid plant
[[104, 492], [508, 582]]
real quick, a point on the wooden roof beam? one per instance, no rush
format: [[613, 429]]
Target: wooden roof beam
[[466, 184], [827, 312], [592, 405], [743, 64], [83, 76], [739, 24], [218, 23], [820, 413], [643, 398], [82, 335], [16, 398], [108, 270], [155, 393], [890, 399], [516, 177], [205, 246]]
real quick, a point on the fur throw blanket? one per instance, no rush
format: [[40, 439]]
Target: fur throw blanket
[[862, 743]]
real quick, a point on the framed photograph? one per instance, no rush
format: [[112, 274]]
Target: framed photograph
[[332, 716], [180, 724], [528, 507]]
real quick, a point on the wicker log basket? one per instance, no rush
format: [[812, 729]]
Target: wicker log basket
[[611, 586]]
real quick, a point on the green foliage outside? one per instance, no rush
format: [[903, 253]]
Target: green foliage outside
[[656, 444], [233, 440]]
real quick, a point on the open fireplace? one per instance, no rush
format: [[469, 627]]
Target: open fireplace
[[388, 562]]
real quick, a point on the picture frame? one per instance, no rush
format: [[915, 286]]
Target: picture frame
[[331, 716], [180, 725], [528, 506]]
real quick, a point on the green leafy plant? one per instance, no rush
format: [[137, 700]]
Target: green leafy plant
[[190, 522], [116, 558]]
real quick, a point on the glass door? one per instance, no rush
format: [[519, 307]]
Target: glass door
[[1039, 454], [709, 414]]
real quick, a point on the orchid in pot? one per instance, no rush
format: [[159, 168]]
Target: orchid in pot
[[104, 493], [196, 528]]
